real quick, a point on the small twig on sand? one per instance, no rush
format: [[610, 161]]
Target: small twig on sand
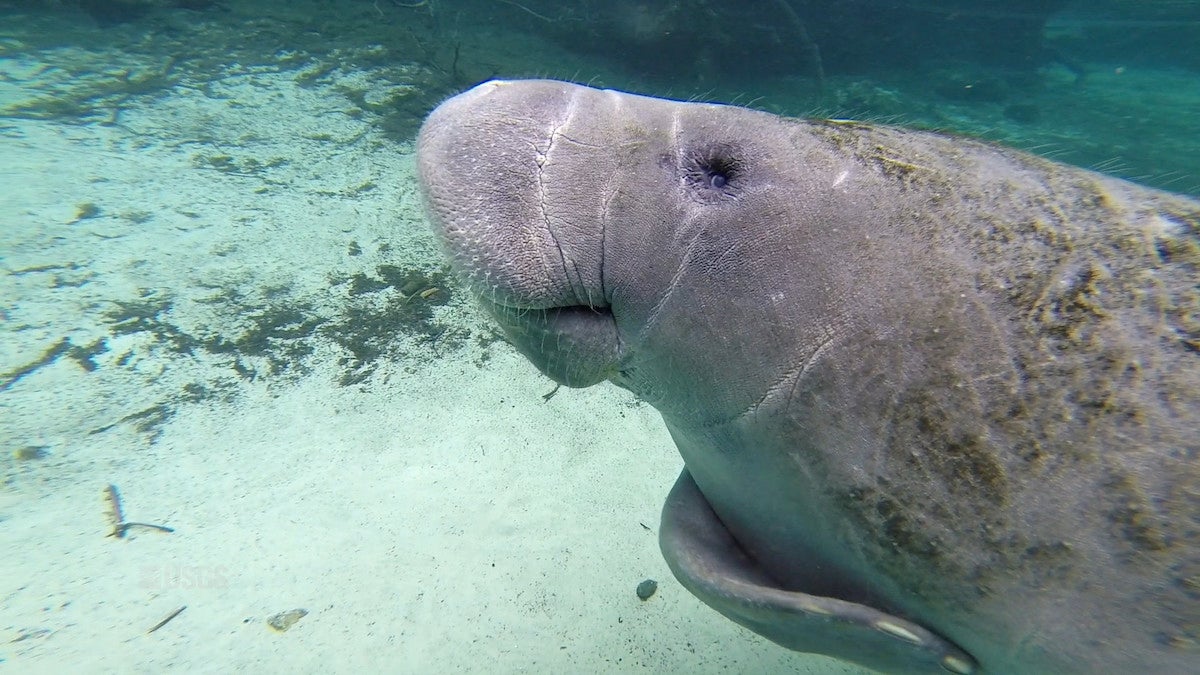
[[170, 616], [116, 516], [120, 531]]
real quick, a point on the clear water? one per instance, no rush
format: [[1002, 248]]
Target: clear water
[[220, 296]]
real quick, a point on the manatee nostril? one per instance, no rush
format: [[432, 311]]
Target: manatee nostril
[[714, 173]]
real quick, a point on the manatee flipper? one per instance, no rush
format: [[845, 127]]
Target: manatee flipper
[[712, 565]]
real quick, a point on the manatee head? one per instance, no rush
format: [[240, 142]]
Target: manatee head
[[603, 230]]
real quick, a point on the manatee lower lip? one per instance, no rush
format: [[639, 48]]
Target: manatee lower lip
[[574, 345], [508, 305], [575, 322]]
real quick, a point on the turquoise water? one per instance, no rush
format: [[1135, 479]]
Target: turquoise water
[[1106, 85], [221, 297]]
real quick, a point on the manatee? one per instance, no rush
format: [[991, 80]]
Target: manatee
[[938, 402]]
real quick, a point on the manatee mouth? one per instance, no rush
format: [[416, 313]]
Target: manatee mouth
[[574, 345], [707, 559]]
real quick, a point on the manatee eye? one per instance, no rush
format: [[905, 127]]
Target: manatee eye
[[714, 173]]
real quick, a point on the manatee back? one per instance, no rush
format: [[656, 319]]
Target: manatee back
[[1035, 404]]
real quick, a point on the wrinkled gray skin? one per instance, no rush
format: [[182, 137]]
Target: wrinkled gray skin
[[932, 395]]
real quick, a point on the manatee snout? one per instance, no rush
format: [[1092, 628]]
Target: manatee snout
[[500, 172], [486, 163]]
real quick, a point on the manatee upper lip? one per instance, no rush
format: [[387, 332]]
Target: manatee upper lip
[[543, 272]]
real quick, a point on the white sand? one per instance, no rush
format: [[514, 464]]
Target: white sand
[[438, 516]]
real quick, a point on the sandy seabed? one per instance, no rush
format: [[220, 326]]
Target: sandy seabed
[[223, 300]]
